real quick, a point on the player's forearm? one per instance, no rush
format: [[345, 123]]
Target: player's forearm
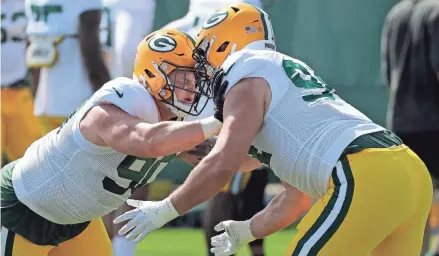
[[165, 138], [207, 179], [281, 212]]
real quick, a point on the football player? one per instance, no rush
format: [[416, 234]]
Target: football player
[[231, 202], [19, 126], [123, 25], [53, 198], [373, 193], [65, 49]]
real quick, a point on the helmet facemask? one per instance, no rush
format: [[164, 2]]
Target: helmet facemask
[[203, 69], [168, 94]]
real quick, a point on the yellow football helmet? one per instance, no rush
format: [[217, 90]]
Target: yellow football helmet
[[159, 54], [232, 29]]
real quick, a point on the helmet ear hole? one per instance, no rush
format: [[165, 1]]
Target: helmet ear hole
[[223, 47], [149, 73]]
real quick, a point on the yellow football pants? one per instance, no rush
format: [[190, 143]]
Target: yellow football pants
[[49, 123], [20, 127], [92, 241], [377, 203]]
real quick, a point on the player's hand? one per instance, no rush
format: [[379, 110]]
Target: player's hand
[[147, 217], [235, 235], [219, 88]]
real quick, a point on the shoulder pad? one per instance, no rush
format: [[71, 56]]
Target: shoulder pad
[[131, 97], [244, 64]]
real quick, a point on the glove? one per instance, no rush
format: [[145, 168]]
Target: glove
[[237, 234], [203, 149], [147, 217], [219, 88]]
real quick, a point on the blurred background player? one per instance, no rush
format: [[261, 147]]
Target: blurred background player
[[19, 126], [410, 44], [128, 22], [65, 49]]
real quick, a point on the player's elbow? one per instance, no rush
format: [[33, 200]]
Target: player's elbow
[[151, 145], [152, 150]]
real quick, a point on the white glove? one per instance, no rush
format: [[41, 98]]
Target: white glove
[[237, 234], [147, 217]]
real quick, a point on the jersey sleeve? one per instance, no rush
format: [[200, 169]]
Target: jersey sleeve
[[131, 97], [123, 92], [248, 64]]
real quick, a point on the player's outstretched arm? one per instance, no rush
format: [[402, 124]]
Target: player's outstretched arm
[[108, 125], [244, 109], [195, 155], [280, 213]]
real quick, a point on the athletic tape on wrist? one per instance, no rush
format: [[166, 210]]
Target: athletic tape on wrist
[[211, 126], [168, 210]]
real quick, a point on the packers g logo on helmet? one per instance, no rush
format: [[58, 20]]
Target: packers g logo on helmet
[[215, 19], [161, 43]]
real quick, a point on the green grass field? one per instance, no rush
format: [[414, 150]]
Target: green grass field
[[191, 242]]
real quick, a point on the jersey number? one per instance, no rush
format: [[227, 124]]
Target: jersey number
[[138, 170], [303, 77], [15, 16]]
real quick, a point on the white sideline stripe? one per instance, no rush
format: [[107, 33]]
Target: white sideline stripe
[[332, 216], [4, 237]]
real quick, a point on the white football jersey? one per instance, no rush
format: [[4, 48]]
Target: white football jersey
[[65, 85], [66, 179], [306, 127], [200, 11], [13, 66]]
